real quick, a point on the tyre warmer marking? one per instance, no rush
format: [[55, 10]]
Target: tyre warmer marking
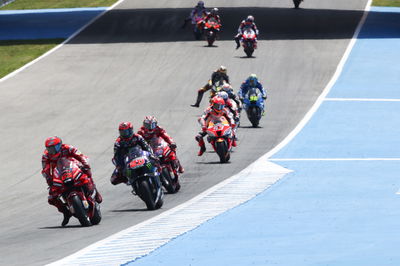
[[139, 240]]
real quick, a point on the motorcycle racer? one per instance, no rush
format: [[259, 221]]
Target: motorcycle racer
[[215, 111], [247, 23], [231, 94], [198, 11], [127, 139], [151, 129], [56, 150], [213, 14], [218, 75], [252, 82]]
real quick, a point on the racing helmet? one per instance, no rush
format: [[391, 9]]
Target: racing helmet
[[53, 147], [252, 79], [214, 11], [125, 130], [218, 104], [150, 123], [200, 4], [223, 94], [222, 69], [249, 20]]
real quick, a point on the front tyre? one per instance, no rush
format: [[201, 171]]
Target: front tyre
[[146, 195], [80, 212], [222, 151], [167, 181]]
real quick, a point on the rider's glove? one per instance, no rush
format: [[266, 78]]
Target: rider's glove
[[173, 145], [264, 97]]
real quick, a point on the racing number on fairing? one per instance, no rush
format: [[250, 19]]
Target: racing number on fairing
[[137, 162]]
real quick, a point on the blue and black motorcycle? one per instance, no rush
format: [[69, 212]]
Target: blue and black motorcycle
[[253, 105]]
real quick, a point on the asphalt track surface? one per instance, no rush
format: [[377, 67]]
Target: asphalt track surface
[[135, 61]]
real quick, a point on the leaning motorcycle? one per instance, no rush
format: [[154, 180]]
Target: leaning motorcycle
[[69, 182], [169, 171], [220, 136], [143, 175], [211, 29], [249, 41], [252, 104]]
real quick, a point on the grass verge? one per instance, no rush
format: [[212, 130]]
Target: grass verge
[[394, 3], [15, 54], [39, 4]]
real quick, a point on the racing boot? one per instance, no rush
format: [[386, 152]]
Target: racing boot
[[202, 145], [234, 144], [67, 215], [181, 170], [237, 41], [199, 97], [98, 198]]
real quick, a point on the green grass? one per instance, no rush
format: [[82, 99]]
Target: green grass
[[38, 4], [15, 54], [386, 3]]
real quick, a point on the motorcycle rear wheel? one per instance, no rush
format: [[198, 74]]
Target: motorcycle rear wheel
[[80, 212], [168, 182], [97, 214]]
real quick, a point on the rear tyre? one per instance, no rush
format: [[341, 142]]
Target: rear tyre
[[167, 181], [146, 195], [97, 214], [80, 212]]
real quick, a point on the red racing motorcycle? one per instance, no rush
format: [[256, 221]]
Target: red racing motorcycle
[[220, 136], [69, 183], [211, 28], [249, 41], [169, 171]]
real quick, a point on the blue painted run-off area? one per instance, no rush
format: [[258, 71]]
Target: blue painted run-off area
[[44, 23], [326, 212]]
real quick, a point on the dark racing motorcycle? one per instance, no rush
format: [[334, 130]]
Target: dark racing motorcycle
[[167, 157], [69, 182], [249, 41], [252, 104], [143, 175]]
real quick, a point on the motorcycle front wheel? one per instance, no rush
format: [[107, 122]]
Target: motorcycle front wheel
[[146, 195], [80, 212], [222, 151], [167, 181]]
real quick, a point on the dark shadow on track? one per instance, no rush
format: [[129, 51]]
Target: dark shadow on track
[[164, 25], [131, 210], [61, 227]]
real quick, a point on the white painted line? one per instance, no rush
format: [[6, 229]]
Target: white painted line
[[12, 74], [139, 240], [361, 100], [332, 159], [328, 87]]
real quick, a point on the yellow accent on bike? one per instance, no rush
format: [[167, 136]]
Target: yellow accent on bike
[[253, 98]]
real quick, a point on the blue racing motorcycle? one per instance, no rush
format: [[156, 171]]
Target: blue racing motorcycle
[[253, 105]]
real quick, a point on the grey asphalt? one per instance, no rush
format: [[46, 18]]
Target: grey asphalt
[[136, 61]]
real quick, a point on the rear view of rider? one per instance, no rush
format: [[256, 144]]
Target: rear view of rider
[[213, 112], [56, 150], [247, 23], [218, 75], [231, 94], [198, 11], [126, 140], [252, 82], [229, 105], [151, 129]]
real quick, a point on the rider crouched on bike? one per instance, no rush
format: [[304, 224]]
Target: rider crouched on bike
[[212, 15], [198, 11], [56, 150], [151, 129], [247, 23], [252, 82], [126, 140], [232, 96], [213, 112], [218, 75]]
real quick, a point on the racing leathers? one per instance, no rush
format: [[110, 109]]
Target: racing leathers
[[159, 132], [209, 115], [49, 163], [243, 25], [244, 88], [196, 13], [121, 148], [215, 77]]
